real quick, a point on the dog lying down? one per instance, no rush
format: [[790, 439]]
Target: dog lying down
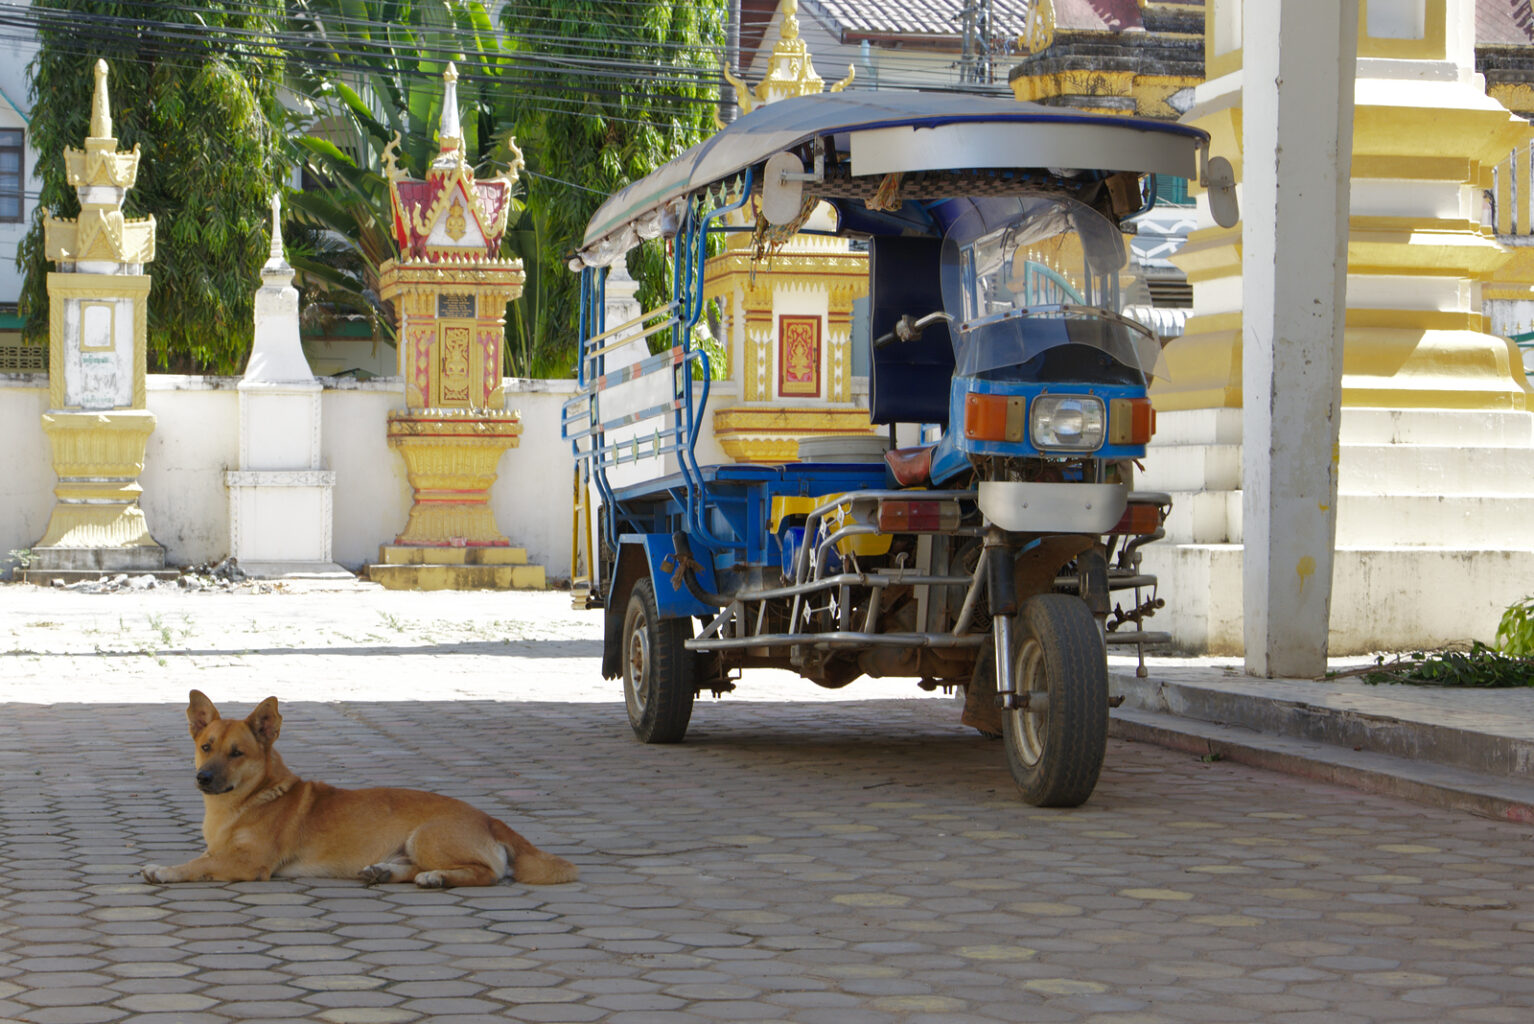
[[261, 820]]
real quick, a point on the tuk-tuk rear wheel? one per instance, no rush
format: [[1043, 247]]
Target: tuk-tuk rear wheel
[[1055, 752], [658, 685]]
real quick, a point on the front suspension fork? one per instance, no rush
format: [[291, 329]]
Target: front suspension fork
[[1001, 593]]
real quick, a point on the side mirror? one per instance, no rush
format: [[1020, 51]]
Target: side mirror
[[782, 189], [1220, 180]]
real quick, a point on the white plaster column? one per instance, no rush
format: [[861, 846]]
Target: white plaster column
[[1300, 58], [280, 508]]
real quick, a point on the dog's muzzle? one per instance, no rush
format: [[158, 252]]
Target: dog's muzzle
[[209, 783]]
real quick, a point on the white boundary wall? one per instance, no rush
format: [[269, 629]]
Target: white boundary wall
[[197, 438]]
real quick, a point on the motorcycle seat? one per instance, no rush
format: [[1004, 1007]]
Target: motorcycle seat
[[911, 467]]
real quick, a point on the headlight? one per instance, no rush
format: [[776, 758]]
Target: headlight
[[1067, 423]]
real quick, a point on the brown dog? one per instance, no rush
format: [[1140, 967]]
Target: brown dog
[[260, 820]]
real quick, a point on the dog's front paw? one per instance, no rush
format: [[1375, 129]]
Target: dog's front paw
[[158, 873], [376, 874]]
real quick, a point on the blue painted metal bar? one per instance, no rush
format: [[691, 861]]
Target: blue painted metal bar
[[695, 243]]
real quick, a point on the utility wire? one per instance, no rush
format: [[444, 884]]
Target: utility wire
[[565, 56]]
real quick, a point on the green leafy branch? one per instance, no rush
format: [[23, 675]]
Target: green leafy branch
[[1474, 665]]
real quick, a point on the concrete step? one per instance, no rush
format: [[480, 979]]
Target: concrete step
[[1468, 522], [1361, 469], [1451, 427], [1204, 517], [457, 577], [1491, 796], [1191, 467], [1383, 599], [1448, 427], [1436, 469], [415, 554]]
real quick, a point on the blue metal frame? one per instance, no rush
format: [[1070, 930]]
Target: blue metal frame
[[687, 292], [585, 426]]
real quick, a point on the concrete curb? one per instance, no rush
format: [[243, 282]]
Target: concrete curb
[[1438, 785], [1342, 723], [1336, 738]]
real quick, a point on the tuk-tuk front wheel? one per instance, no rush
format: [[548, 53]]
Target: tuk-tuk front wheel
[[1055, 747], [658, 686]]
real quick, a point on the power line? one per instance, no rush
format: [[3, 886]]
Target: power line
[[559, 55]]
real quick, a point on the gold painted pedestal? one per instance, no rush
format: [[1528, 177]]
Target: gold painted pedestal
[[97, 524], [450, 541]]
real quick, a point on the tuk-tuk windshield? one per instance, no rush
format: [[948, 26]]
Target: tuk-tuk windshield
[[1022, 275]]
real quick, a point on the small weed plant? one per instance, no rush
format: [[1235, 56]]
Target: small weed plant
[[1474, 665], [1515, 633], [1509, 663]]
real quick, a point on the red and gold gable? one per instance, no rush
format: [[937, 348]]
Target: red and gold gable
[[419, 207]]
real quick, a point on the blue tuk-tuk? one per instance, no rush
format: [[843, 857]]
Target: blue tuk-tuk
[[1003, 557]]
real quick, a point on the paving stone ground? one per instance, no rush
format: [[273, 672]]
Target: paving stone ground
[[826, 857]]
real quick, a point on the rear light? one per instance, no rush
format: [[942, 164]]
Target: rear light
[[993, 417], [1138, 519], [1131, 421], [918, 516]]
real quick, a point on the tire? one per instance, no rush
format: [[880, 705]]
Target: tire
[[1092, 576], [1056, 754], [658, 685]]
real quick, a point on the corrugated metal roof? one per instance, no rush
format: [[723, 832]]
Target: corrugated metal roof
[[1504, 21], [913, 17], [946, 17]]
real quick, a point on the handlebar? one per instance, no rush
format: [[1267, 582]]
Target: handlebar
[[907, 329]]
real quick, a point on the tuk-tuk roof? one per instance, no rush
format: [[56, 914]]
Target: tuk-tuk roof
[[897, 132]]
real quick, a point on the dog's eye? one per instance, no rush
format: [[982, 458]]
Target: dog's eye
[[207, 747], [236, 752]]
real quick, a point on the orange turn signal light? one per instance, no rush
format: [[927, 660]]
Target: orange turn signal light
[[993, 417], [1138, 519], [1131, 421]]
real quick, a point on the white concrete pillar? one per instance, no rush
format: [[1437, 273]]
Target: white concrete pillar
[[1299, 60]]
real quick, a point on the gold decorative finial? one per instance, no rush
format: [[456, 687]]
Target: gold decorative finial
[[742, 91], [101, 113], [790, 30], [514, 169], [390, 159]]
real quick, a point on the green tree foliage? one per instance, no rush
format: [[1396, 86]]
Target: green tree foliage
[[195, 89], [374, 70], [609, 93], [597, 95]]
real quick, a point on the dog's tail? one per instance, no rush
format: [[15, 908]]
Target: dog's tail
[[530, 865]]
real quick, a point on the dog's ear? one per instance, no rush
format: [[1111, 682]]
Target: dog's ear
[[199, 712], [265, 722]]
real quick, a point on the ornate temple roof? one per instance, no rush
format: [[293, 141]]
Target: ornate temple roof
[[450, 213]]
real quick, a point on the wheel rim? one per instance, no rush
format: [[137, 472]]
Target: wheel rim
[[637, 669], [1028, 727]]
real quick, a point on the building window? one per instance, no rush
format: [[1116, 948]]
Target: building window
[[12, 174], [1172, 191]]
